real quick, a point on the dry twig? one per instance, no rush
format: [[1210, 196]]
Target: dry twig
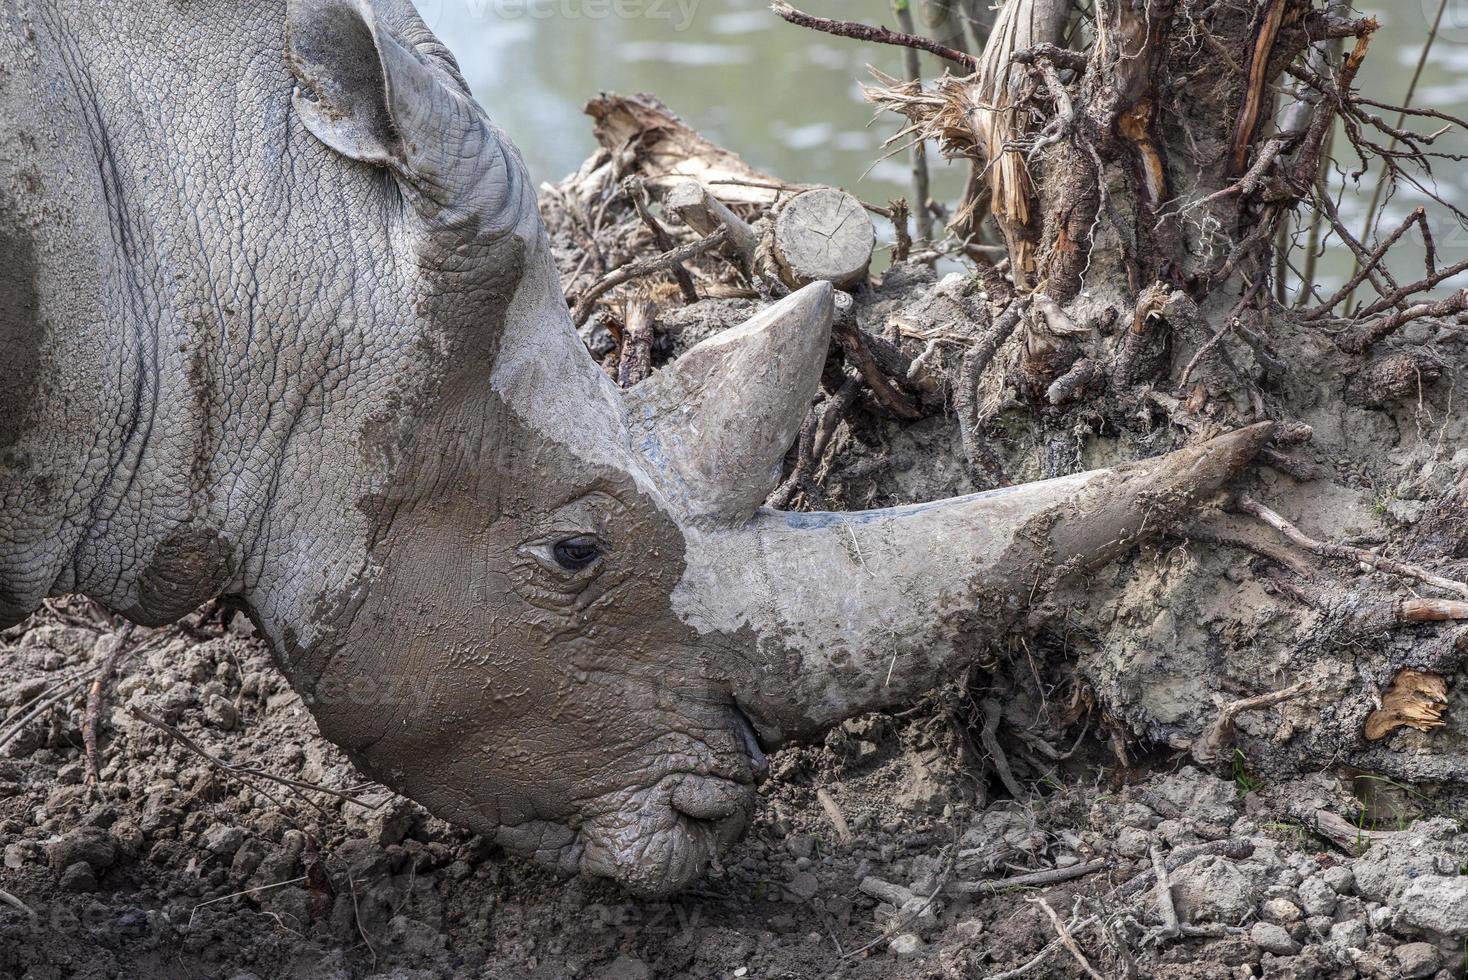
[[644, 267], [838, 819], [878, 35], [634, 188], [1038, 960], [8, 899], [1067, 939], [1346, 552], [245, 773], [1449, 306], [91, 718]]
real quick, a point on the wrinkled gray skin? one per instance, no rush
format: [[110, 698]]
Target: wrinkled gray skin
[[280, 324]]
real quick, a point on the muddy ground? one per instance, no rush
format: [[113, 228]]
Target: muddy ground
[[1011, 824], [175, 867]]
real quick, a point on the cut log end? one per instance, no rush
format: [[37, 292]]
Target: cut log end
[[824, 234]]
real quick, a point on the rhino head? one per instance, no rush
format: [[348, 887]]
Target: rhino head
[[583, 627]]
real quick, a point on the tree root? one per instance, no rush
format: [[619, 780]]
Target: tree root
[[1346, 552], [1166, 907], [984, 468], [1036, 879], [1208, 748], [91, 718], [815, 436], [634, 366], [858, 349], [1067, 940], [988, 735], [1235, 850]]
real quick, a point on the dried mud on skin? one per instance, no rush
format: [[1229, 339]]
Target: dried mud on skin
[[1061, 765]]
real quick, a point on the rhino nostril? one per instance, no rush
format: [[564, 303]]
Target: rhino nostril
[[703, 798]]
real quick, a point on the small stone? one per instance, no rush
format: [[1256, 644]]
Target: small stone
[[385, 826], [1215, 889], [1352, 934], [801, 845], [1274, 939], [803, 886], [222, 840], [1317, 897], [1280, 910], [79, 877], [1341, 879], [15, 855], [1416, 960], [1319, 925], [970, 929], [1133, 843], [221, 713], [85, 845], [161, 809], [905, 944], [1437, 904]]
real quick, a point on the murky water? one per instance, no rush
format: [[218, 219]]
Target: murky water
[[788, 100]]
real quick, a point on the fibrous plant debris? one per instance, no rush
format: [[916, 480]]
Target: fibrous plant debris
[[1414, 700]]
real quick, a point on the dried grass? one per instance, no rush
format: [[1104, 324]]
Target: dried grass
[[979, 116]]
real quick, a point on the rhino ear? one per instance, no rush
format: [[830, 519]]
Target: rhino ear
[[376, 86], [714, 426]]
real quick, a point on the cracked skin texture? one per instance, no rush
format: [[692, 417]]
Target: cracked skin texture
[[279, 362], [570, 714], [305, 348]]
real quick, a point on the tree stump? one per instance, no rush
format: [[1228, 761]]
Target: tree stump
[[823, 234]]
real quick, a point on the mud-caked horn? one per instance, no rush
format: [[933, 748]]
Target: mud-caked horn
[[858, 611], [713, 427]]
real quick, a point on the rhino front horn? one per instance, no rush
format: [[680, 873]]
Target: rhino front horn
[[859, 611]]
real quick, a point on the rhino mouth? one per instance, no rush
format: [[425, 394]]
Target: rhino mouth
[[657, 840], [751, 741]]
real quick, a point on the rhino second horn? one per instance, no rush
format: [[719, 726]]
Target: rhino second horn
[[713, 427]]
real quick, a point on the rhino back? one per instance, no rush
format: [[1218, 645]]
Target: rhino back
[[203, 302], [60, 398]]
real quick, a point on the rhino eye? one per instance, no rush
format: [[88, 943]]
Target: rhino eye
[[574, 554]]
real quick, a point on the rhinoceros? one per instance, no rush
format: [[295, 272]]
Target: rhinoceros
[[280, 324]]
